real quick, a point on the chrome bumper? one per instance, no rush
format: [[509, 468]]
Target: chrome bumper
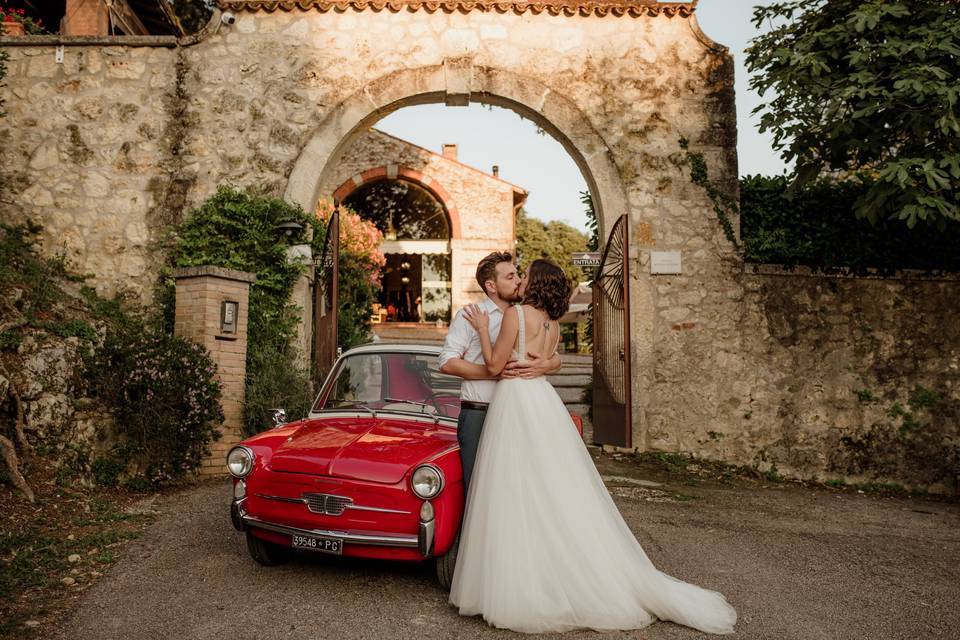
[[425, 539], [349, 538]]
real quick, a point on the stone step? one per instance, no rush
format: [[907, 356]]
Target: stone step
[[576, 407], [581, 359], [570, 395], [562, 379]]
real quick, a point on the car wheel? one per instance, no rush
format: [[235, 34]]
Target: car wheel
[[266, 553], [447, 563]]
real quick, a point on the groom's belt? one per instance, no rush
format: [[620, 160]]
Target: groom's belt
[[474, 406]]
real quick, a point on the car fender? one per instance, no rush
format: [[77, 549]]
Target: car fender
[[448, 506]]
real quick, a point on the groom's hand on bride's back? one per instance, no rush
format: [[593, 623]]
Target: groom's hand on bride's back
[[534, 366]]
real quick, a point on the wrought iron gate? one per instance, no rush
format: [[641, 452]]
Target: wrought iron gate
[[326, 293], [611, 341]]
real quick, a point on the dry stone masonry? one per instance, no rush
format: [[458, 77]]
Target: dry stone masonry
[[113, 144]]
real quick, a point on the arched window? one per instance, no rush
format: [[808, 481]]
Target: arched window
[[401, 210], [415, 285]]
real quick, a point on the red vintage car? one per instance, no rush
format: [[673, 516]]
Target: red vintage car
[[374, 471]]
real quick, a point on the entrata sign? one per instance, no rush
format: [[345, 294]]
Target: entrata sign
[[585, 258]]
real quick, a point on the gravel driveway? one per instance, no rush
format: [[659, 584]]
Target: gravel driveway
[[795, 562]]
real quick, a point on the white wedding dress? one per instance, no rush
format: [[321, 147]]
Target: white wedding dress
[[543, 546]]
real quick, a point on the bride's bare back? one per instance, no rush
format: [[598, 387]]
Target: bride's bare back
[[541, 334]]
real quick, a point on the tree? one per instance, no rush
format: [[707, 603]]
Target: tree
[[866, 90], [593, 241], [552, 240], [193, 14]]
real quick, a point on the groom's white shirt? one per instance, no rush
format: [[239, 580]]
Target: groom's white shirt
[[463, 341]]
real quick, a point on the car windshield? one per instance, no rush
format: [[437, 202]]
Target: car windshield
[[402, 382]]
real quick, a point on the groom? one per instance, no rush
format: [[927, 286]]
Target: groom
[[462, 355]]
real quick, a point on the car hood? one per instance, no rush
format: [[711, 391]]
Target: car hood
[[377, 449]]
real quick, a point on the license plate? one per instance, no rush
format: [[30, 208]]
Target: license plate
[[322, 544]]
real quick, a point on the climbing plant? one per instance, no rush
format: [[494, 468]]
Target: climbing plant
[[723, 205]]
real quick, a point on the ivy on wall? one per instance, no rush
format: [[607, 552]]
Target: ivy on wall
[[723, 205], [814, 226]]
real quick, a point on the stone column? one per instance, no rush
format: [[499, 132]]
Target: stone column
[[201, 296], [302, 297]]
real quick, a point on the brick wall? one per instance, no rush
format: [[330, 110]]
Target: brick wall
[[200, 293], [86, 18]]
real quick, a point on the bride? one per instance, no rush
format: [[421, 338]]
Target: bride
[[543, 546]]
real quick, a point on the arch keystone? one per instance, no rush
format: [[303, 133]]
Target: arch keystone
[[457, 77]]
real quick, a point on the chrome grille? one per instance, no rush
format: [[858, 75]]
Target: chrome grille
[[326, 504]]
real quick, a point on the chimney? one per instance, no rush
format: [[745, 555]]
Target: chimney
[[450, 151], [86, 18], [496, 171]]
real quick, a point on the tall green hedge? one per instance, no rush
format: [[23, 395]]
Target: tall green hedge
[[815, 226], [239, 230]]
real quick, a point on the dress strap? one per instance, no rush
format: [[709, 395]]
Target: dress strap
[[522, 343]]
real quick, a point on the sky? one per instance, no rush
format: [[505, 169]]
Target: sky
[[488, 136]]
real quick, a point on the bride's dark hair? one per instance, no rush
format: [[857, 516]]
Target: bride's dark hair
[[548, 289]]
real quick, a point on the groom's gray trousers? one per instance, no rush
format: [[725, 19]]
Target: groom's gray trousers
[[469, 428]]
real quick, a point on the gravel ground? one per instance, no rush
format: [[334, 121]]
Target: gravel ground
[[796, 563]]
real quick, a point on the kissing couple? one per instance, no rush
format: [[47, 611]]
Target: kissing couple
[[543, 547]]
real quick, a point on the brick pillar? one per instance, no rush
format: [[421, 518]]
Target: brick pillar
[[86, 18], [201, 292]]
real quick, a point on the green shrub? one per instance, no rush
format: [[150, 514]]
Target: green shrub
[[107, 470], [357, 295], [815, 226], [238, 230], [161, 390], [278, 383]]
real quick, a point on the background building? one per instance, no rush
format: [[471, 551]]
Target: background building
[[439, 217]]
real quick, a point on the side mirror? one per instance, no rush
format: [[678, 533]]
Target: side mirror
[[278, 417]]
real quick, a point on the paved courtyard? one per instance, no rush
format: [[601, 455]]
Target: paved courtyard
[[796, 563]]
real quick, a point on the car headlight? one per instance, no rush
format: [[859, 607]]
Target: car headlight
[[427, 481], [240, 461]]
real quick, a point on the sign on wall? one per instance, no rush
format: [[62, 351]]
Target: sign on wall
[[585, 258]]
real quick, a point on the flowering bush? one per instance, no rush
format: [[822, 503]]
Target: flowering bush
[[164, 395], [359, 276], [31, 26], [358, 237]]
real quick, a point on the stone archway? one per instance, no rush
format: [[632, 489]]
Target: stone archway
[[451, 83], [458, 82]]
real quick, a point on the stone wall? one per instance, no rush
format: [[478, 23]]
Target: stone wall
[[829, 377], [109, 147], [88, 149], [482, 204]]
